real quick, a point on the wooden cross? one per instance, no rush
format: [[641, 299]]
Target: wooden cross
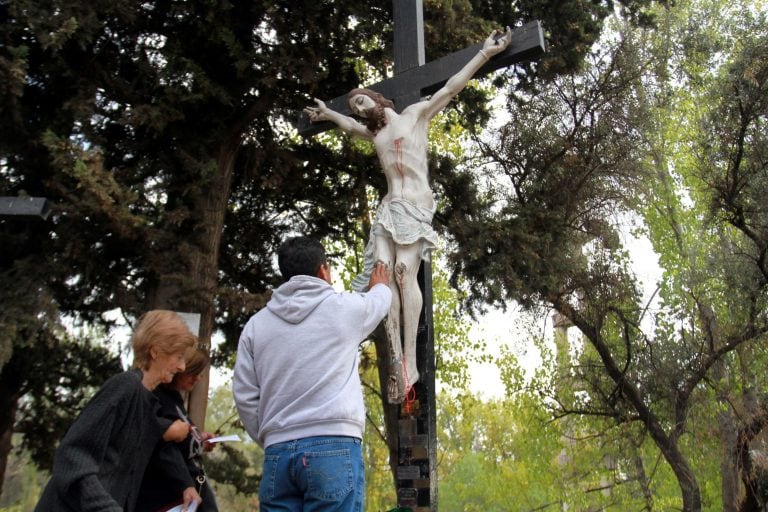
[[416, 470]]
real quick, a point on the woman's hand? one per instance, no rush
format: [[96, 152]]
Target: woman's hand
[[190, 495], [204, 437], [177, 432]]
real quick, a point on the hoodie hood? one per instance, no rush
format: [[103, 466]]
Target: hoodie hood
[[295, 300]]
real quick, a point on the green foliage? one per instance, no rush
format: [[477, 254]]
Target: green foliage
[[23, 482], [555, 192], [495, 453], [54, 393]]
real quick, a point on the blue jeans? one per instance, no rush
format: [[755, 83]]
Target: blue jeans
[[313, 474]]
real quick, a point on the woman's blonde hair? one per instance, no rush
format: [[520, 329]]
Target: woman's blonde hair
[[163, 330]]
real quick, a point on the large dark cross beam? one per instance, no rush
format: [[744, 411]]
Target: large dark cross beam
[[417, 81], [416, 452]]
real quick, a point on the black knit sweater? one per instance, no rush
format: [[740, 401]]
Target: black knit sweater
[[101, 460]]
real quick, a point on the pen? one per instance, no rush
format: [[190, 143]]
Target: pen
[[182, 415]]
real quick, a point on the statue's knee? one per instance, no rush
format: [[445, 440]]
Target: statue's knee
[[406, 278]]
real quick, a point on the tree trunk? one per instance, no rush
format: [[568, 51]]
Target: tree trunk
[[689, 487], [202, 272], [686, 479], [728, 469], [213, 210]]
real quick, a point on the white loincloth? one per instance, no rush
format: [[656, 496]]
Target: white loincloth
[[405, 223]]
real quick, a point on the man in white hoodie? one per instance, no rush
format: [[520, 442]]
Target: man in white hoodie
[[297, 387]]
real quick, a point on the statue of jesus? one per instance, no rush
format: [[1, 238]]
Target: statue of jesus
[[402, 233]]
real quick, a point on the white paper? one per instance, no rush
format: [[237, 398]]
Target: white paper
[[222, 439], [191, 508]]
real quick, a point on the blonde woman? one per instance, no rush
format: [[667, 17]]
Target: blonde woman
[[100, 462]]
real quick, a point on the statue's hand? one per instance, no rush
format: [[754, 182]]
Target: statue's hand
[[317, 113], [495, 43]]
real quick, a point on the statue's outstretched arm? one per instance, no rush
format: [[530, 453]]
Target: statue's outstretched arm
[[495, 43], [348, 124]]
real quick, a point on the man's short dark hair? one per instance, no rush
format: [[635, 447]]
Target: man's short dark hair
[[301, 255]]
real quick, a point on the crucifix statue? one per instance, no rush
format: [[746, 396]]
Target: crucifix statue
[[401, 235]]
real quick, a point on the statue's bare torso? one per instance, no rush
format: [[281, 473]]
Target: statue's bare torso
[[401, 146]]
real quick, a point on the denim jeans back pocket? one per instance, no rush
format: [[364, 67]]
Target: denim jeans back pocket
[[269, 477], [329, 473]]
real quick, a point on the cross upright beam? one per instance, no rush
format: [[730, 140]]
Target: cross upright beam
[[408, 43]]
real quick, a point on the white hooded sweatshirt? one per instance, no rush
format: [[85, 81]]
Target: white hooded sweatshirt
[[296, 373]]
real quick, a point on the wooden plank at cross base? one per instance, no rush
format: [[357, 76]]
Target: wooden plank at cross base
[[417, 439]]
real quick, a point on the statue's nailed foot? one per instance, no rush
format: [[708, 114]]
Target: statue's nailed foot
[[396, 383]]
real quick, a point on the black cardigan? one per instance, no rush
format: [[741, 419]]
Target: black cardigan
[[99, 464]]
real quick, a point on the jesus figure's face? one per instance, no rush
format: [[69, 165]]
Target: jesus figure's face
[[360, 104]]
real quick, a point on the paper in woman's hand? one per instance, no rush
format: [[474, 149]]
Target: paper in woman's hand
[[224, 439], [178, 508]]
